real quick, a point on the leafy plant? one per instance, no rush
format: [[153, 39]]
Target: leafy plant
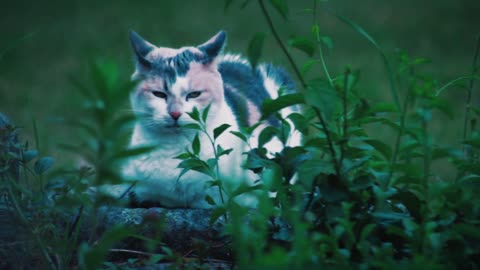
[[359, 201]]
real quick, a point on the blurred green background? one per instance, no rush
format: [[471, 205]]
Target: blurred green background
[[42, 43]]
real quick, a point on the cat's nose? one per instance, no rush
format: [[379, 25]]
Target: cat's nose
[[175, 115]]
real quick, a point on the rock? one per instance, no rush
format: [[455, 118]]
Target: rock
[[182, 230]]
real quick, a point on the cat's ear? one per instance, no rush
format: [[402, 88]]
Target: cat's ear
[[141, 48], [214, 46]]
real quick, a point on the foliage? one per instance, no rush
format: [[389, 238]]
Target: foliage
[[344, 199], [361, 201]]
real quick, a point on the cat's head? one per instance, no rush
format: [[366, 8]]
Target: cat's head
[[174, 81]]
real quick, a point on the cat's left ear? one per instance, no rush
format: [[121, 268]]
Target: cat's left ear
[[141, 48], [214, 46]]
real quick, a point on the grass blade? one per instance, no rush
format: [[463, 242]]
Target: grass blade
[[370, 39]]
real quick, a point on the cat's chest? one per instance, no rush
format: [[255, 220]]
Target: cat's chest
[[162, 163], [154, 165]]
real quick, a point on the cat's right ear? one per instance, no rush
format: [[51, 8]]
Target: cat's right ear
[[141, 48], [214, 45]]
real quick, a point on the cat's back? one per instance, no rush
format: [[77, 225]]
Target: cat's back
[[246, 88]]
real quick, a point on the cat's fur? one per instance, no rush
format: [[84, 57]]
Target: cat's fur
[[171, 83]]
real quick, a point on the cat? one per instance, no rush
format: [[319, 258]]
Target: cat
[[171, 82]]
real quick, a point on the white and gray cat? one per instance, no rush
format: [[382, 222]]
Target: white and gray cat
[[171, 82]]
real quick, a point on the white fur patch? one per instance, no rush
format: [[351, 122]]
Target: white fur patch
[[233, 58]]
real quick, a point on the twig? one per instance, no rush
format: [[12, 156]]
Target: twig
[[280, 43], [131, 251], [75, 222]]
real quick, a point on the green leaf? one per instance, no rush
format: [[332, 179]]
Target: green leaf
[[382, 107], [256, 159], [239, 135], [361, 182], [381, 147], [43, 165], [470, 181], [254, 50], [303, 44], [327, 41], [154, 259], [249, 130], [389, 215], [222, 152], [184, 156], [216, 214], [455, 82], [210, 200], [366, 231], [194, 114], [475, 142], [205, 113], [192, 126], [29, 155], [195, 165], [308, 66], [196, 145], [266, 135], [299, 122], [322, 96], [272, 177], [468, 231], [333, 191], [312, 168], [270, 106], [219, 130], [281, 6], [412, 202], [444, 106], [93, 257], [133, 152], [244, 188]]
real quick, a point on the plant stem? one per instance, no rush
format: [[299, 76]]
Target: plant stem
[[329, 140], [217, 169], [426, 158], [27, 224], [324, 65], [469, 98], [345, 116], [320, 48], [280, 43], [403, 120]]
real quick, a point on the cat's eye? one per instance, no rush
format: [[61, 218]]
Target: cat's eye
[[194, 94], [159, 94]]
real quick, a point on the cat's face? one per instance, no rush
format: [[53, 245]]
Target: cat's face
[[174, 81]]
